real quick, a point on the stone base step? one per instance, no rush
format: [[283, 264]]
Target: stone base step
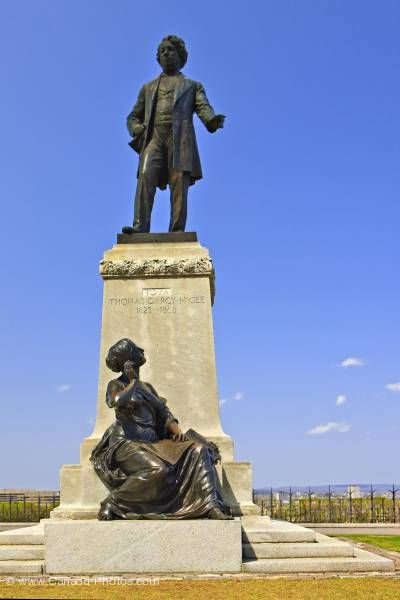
[[21, 567], [275, 531], [254, 521], [22, 552], [318, 549], [5, 526], [23, 535], [268, 547], [361, 562]]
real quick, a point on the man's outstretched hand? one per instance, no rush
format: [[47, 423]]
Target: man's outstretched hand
[[217, 122]]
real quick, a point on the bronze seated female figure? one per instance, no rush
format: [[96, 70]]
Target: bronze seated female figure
[[151, 468]]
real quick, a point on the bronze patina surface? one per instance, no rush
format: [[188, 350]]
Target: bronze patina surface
[[161, 125], [151, 468]]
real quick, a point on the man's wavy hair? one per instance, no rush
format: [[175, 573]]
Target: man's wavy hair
[[179, 45], [122, 351]]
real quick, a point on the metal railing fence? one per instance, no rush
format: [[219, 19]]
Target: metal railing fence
[[331, 507], [27, 508]]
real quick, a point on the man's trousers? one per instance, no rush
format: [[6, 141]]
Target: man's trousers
[[155, 161]]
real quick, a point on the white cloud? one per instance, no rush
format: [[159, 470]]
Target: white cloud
[[341, 399], [393, 387], [352, 361], [236, 396], [331, 426], [63, 388]]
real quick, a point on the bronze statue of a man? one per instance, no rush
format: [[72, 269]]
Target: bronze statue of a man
[[161, 124]]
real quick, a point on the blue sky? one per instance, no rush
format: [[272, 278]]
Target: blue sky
[[299, 207]]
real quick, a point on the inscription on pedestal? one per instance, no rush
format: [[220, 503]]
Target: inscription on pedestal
[[156, 300]]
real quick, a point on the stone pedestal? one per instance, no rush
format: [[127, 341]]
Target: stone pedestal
[[159, 292], [140, 547]]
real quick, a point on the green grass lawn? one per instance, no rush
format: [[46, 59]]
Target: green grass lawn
[[387, 542]]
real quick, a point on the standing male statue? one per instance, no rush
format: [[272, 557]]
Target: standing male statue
[[161, 124]]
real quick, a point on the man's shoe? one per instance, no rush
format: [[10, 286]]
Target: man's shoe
[[128, 229]]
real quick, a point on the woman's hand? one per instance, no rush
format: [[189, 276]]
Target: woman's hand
[[130, 370], [176, 433]]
